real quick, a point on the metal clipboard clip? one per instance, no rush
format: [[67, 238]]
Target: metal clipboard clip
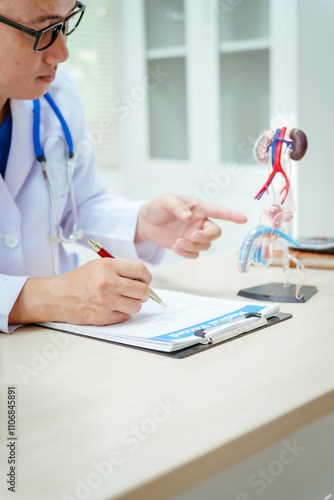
[[232, 327]]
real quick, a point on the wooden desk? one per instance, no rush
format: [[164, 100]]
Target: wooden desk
[[103, 422]]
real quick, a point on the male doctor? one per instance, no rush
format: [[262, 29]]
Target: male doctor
[[38, 280]]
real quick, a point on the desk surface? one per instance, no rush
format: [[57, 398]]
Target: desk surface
[[100, 421]]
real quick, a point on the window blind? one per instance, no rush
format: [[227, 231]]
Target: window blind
[[93, 65]]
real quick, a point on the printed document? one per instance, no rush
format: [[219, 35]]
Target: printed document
[[174, 327]]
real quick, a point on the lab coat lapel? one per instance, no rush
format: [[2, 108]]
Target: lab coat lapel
[[21, 156], [5, 195]]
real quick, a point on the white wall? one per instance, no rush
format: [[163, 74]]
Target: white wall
[[316, 116]]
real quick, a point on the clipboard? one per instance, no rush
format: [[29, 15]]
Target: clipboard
[[189, 324], [210, 333]]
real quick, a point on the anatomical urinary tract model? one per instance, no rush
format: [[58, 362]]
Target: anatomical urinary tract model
[[276, 148]]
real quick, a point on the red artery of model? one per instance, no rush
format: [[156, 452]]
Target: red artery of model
[[276, 168]]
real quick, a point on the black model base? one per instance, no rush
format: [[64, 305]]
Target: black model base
[[278, 292]]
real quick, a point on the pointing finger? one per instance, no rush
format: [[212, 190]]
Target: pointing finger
[[224, 213]]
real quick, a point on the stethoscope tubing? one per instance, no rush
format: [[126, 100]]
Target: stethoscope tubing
[[40, 156]]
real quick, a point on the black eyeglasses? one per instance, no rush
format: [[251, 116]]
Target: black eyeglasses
[[47, 36]]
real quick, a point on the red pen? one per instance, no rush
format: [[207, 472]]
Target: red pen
[[103, 253]]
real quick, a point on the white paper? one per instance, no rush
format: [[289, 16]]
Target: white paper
[[173, 327]]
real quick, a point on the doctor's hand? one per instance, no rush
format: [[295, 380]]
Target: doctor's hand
[[182, 223], [101, 292]]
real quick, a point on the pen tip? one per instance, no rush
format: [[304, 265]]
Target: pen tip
[[155, 297]]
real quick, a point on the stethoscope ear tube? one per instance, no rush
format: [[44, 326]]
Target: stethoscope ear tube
[[66, 130], [37, 120]]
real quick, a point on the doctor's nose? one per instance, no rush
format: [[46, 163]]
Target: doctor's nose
[[58, 51]]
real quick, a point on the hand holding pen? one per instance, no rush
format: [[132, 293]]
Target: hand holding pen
[[103, 253]]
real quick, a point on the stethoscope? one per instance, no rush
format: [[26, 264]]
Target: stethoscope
[[76, 233]]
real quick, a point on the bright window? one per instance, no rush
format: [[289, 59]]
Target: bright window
[[93, 64]]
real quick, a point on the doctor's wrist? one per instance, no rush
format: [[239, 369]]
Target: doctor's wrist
[[35, 303]]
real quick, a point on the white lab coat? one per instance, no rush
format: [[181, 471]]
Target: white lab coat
[[26, 217]]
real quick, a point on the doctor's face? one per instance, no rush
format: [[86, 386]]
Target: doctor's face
[[24, 73]]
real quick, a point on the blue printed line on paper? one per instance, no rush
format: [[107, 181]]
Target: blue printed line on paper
[[189, 331]]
